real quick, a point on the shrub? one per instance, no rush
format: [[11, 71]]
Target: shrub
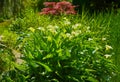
[[56, 8]]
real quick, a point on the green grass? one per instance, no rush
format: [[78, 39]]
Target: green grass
[[115, 41]]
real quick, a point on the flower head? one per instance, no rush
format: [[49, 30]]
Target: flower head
[[107, 56], [1, 36], [108, 47]]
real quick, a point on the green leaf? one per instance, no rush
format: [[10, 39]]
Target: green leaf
[[58, 74], [48, 56], [89, 70], [73, 78], [54, 80], [91, 79], [20, 67], [34, 64], [8, 79], [45, 66]]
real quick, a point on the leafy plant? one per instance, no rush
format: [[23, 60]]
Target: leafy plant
[[56, 8], [62, 48], [66, 51]]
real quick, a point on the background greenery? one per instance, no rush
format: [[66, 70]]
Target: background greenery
[[10, 8], [115, 36]]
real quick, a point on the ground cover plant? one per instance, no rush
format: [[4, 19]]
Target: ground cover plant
[[58, 48]]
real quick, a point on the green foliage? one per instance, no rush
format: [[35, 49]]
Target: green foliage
[[23, 23], [115, 37], [10, 8], [39, 3], [65, 48], [10, 70], [1, 19], [6, 59]]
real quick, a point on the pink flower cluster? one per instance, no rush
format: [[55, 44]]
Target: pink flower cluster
[[56, 8]]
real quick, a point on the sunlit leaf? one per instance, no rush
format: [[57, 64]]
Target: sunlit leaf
[[91, 79], [45, 66], [48, 56]]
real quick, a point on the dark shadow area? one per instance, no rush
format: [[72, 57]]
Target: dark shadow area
[[96, 6]]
